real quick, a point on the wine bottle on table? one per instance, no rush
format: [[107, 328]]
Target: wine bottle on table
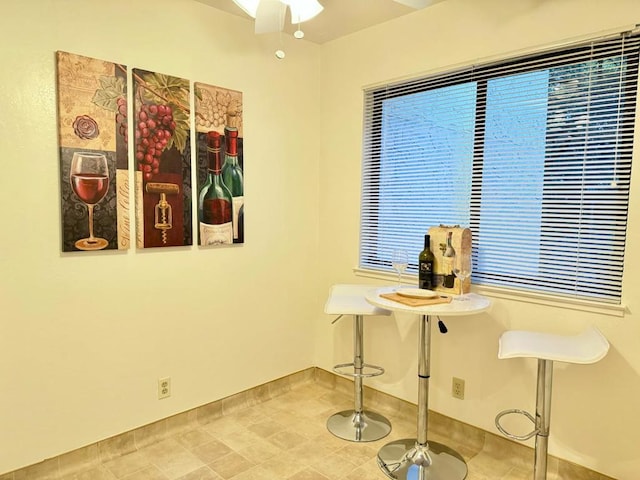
[[425, 266], [449, 256], [232, 176], [215, 209]]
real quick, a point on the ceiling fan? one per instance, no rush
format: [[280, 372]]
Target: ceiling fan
[[270, 14]]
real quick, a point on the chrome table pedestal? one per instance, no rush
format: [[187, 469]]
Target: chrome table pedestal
[[417, 458], [421, 462], [356, 425]]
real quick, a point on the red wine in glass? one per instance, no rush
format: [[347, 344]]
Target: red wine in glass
[[90, 187], [90, 182]]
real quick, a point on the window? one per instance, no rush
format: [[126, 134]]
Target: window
[[533, 154]]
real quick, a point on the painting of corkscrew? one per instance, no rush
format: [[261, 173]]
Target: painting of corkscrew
[[163, 159]]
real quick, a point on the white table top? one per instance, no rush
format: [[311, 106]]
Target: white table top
[[475, 304], [350, 300]]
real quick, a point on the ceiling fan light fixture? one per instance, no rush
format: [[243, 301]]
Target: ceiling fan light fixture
[[303, 10], [269, 15]]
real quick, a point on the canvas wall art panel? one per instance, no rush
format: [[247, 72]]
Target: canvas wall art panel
[[92, 133], [163, 159], [220, 176]]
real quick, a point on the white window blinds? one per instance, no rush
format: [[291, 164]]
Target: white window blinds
[[533, 154]]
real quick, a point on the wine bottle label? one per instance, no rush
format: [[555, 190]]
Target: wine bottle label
[[426, 268], [216, 234], [237, 202], [425, 275]]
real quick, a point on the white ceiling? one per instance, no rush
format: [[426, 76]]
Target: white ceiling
[[339, 17]]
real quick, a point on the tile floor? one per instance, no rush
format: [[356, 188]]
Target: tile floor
[[285, 438]]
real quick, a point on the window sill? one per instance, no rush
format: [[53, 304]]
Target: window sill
[[515, 295]]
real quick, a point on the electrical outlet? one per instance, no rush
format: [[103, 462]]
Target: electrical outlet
[[457, 388], [164, 387]]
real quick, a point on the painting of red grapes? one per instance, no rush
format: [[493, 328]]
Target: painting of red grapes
[[163, 159], [92, 132], [218, 119]]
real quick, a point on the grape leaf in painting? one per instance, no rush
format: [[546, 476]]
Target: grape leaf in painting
[[181, 132], [111, 89]]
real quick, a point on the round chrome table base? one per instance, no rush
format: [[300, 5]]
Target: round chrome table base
[[358, 427], [406, 460]]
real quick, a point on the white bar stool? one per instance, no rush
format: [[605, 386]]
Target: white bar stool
[[356, 425], [587, 347]]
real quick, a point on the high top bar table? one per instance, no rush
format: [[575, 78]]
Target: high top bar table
[[415, 458]]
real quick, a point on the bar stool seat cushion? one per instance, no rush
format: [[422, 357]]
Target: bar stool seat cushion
[[350, 300], [589, 346]]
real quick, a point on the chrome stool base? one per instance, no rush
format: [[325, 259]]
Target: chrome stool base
[[358, 426], [407, 460]]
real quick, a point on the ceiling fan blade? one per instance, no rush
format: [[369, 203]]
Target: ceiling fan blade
[[249, 6], [270, 16], [414, 3]]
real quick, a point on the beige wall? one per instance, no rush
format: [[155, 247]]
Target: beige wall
[[84, 337], [594, 413], [219, 321]]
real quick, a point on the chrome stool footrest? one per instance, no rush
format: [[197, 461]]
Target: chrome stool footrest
[[511, 435], [376, 370]]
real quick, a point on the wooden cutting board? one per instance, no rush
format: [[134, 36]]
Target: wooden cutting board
[[416, 302]]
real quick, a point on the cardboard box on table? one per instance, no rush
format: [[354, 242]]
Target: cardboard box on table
[[461, 243]]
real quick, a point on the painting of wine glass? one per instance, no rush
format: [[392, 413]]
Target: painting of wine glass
[[89, 179], [93, 141]]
